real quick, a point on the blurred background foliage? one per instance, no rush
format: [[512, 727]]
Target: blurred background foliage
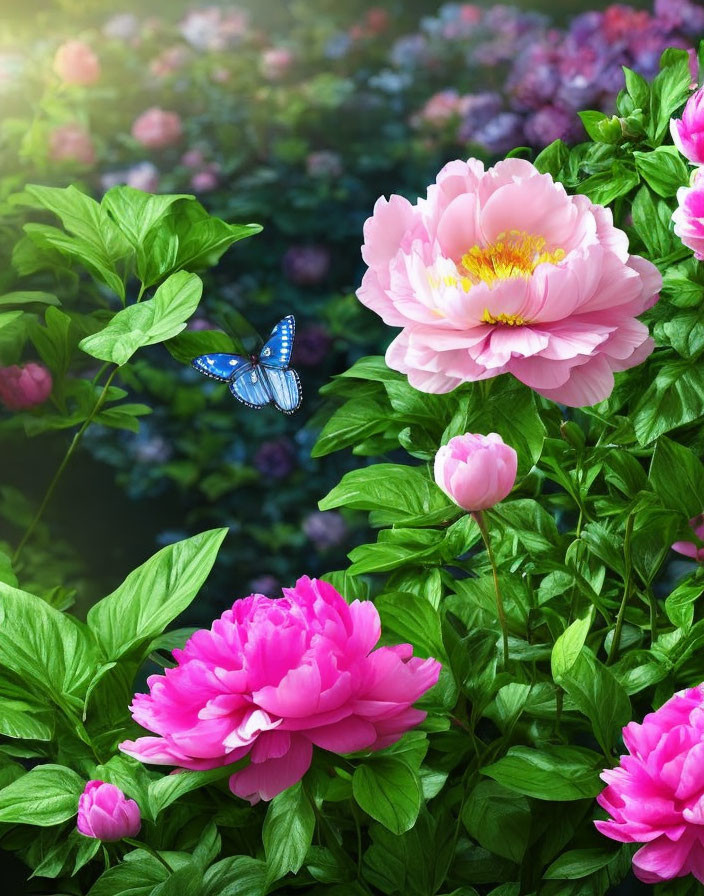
[[296, 116]]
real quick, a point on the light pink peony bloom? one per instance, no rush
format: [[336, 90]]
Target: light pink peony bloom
[[476, 471], [275, 63], [75, 63], [656, 794], [689, 548], [500, 271], [105, 813], [273, 678], [688, 217], [688, 131], [205, 180], [71, 143], [157, 128], [24, 387]]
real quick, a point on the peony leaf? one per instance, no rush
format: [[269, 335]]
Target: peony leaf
[[389, 791], [46, 795], [288, 832]]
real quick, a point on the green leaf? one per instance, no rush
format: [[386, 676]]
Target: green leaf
[[184, 881], [395, 492], [553, 159], [27, 297], [389, 791], [578, 863], [498, 820], [235, 876], [413, 619], [637, 87], [136, 212], [677, 477], [679, 605], [685, 332], [288, 832], [188, 344], [669, 91], [551, 773], [166, 790], [663, 170], [605, 186], [397, 548], [674, 398], [44, 645], [652, 223], [350, 424], [54, 342], [155, 320], [154, 594], [46, 795], [137, 875], [569, 645]]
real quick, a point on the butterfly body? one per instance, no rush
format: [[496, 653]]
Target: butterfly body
[[260, 379]]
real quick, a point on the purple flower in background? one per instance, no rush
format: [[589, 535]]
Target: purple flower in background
[[478, 110], [325, 528], [306, 265], [500, 134], [275, 458], [200, 323], [324, 163], [410, 51], [311, 346], [269, 586], [682, 14], [552, 123]]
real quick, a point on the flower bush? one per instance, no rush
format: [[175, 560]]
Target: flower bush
[[437, 716]]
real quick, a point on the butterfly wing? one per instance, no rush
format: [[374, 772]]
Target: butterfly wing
[[220, 365], [284, 387], [250, 387], [276, 352]]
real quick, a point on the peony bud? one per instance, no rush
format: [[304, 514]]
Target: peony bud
[[105, 813], [76, 63], [476, 471], [24, 387], [689, 548], [688, 131]]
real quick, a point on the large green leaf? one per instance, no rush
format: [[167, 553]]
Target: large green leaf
[[288, 832], [136, 212], [498, 819], [389, 791], [154, 594], [45, 796], [551, 773], [677, 476], [674, 398]]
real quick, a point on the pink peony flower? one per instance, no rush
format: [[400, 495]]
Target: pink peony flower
[[273, 678], [143, 176], [500, 271], [689, 548], [75, 63], [105, 813], [656, 794], [24, 387], [688, 131], [476, 471], [205, 180], [275, 63], [169, 61], [157, 128], [71, 143], [688, 217], [442, 107]]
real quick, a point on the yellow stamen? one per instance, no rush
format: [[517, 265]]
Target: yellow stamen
[[514, 254], [511, 320]]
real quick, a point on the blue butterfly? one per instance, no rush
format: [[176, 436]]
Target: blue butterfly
[[260, 379]]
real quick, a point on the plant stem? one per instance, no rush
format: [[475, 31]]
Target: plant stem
[[62, 466], [626, 591], [479, 518], [150, 849]]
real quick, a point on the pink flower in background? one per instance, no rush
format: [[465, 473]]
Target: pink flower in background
[[212, 28], [273, 678], [105, 813], [193, 158], [688, 217], [689, 548], [688, 131], [306, 265], [275, 63], [143, 176], [205, 180], [324, 163], [75, 63], [442, 107], [24, 387], [501, 271], [169, 61], [71, 143], [123, 26], [476, 471], [156, 128], [656, 793]]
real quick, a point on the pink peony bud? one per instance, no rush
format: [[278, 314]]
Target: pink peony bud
[[689, 548], [105, 813], [275, 63], [76, 63], [688, 217], [655, 795], [476, 471], [157, 128], [688, 131], [71, 143], [24, 387]]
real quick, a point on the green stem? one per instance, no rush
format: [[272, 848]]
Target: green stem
[[62, 466], [479, 518], [152, 852], [626, 591]]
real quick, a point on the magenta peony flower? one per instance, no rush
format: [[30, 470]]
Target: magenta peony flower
[[105, 813], [688, 131], [75, 63], [71, 143], [689, 548], [476, 471], [656, 794], [157, 128], [688, 217], [24, 387], [273, 678], [500, 271]]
